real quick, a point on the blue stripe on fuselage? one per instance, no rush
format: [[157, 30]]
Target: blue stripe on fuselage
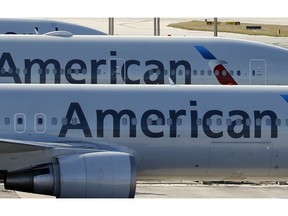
[[285, 97], [204, 52]]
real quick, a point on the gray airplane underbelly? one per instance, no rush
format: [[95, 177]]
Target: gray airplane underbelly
[[217, 161]]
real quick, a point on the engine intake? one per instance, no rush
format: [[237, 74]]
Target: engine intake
[[91, 175]]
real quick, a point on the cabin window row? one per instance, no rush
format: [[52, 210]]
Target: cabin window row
[[179, 121], [40, 121], [46, 71], [158, 72]]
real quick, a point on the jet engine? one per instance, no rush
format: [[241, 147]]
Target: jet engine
[[91, 175]]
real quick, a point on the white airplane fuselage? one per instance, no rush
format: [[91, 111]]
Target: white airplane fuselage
[[139, 60], [13, 26], [174, 132]]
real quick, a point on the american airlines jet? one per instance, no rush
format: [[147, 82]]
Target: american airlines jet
[[60, 57], [96, 140], [14, 26]]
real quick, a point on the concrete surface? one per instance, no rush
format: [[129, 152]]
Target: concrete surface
[[186, 190], [145, 27], [195, 190]]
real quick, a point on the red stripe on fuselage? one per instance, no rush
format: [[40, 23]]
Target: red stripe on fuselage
[[223, 76]]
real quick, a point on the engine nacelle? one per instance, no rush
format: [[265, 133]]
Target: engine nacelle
[[91, 175]]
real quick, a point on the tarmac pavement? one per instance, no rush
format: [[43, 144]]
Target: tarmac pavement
[[186, 190], [145, 27]]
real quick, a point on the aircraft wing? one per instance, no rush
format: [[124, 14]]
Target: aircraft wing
[[10, 146], [15, 146]]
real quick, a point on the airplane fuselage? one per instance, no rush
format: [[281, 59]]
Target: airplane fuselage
[[139, 60], [174, 132], [13, 26]]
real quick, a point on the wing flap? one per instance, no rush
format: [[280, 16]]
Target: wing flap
[[15, 146], [8, 146]]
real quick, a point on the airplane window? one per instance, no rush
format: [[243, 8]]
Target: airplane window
[[199, 121], [149, 121], [40, 121], [39, 71], [47, 71], [2, 71], [231, 72], [169, 121], [69, 71], [278, 122], [229, 122], [224, 72], [99, 71], [159, 121], [179, 121], [54, 121], [268, 122], [219, 121], [151, 72], [10, 70], [25, 71], [188, 72], [64, 121], [7, 121], [238, 122], [84, 71], [124, 121], [209, 72], [238, 73], [77, 71], [202, 72], [54, 71], [195, 72], [208, 121], [158, 72], [17, 71], [134, 121], [258, 122], [180, 72], [19, 121], [172, 72], [62, 71], [74, 121], [216, 73], [248, 122], [165, 72]]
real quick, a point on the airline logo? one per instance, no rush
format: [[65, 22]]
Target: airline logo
[[285, 97], [216, 66], [111, 67], [242, 124], [114, 70]]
